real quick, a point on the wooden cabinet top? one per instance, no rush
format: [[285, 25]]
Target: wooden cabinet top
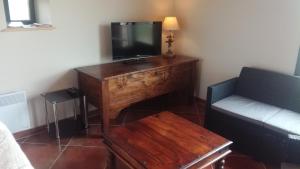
[[165, 141], [107, 70]]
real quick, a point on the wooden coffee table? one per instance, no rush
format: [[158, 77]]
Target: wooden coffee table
[[166, 141]]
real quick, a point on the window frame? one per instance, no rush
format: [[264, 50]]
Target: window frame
[[25, 22], [297, 69]]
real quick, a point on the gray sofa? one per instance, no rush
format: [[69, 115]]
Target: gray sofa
[[260, 112]]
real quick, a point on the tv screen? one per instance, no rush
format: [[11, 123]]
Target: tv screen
[[136, 39]]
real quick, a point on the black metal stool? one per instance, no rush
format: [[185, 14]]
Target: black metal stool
[[61, 96]]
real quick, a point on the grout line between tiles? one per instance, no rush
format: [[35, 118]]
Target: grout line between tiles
[[58, 156], [22, 142], [40, 143], [35, 143], [60, 153], [26, 137], [100, 147]]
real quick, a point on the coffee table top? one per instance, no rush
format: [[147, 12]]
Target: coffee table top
[[164, 141]]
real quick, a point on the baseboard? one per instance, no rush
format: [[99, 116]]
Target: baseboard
[[33, 131], [29, 132], [200, 100]]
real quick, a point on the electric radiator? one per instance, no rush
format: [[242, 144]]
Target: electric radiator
[[14, 111]]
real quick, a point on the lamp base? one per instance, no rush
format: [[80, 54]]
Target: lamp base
[[169, 54]]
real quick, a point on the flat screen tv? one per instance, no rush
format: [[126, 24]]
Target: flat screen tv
[[136, 39]]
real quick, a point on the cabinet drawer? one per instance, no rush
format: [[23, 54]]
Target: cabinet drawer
[[126, 87], [140, 86]]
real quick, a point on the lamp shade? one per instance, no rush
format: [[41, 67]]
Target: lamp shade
[[171, 24]]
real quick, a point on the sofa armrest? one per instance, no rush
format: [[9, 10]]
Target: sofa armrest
[[220, 91], [294, 137], [215, 93]]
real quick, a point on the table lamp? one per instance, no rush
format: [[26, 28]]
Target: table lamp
[[171, 25]]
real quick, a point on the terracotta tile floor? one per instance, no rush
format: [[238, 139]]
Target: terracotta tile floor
[[85, 150]]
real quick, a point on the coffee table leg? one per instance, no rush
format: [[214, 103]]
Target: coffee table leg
[[220, 164]]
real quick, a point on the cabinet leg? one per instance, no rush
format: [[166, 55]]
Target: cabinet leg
[[111, 161], [220, 164], [106, 124]]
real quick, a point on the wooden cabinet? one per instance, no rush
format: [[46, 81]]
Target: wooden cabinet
[[114, 86]]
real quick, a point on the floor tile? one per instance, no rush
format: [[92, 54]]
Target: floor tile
[[85, 150], [156, 104], [86, 139], [45, 139], [239, 161], [41, 156], [183, 109], [82, 158], [136, 114], [93, 130], [95, 119], [193, 118], [21, 140]]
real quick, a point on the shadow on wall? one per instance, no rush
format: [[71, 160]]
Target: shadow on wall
[[198, 78], [105, 44], [37, 105]]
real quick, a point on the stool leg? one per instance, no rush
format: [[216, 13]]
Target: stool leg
[[47, 116], [85, 107], [56, 126], [75, 109]]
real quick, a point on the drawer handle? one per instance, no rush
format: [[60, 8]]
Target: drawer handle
[[162, 75]]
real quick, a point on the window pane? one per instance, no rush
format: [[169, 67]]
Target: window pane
[[19, 10]]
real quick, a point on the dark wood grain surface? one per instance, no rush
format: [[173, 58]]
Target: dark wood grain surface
[[166, 141], [114, 86], [109, 70]]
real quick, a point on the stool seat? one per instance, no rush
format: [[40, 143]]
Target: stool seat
[[61, 96]]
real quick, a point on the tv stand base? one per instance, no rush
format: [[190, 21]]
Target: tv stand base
[[135, 61]]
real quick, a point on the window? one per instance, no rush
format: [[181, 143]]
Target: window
[[20, 11]]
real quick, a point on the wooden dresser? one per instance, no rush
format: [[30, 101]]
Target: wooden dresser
[[114, 86]]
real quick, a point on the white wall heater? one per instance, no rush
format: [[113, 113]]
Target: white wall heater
[[14, 111]]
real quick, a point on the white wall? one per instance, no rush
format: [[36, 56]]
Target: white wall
[[39, 61], [230, 34], [225, 34], [42, 11]]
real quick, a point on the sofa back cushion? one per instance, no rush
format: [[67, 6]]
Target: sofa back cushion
[[270, 87]]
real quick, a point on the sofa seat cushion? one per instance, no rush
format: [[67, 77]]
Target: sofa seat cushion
[[246, 109], [285, 122]]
